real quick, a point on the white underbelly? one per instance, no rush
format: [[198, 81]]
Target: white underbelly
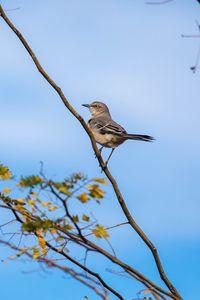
[[107, 140]]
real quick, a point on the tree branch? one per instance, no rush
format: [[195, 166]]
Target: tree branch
[[98, 155], [52, 264], [82, 241], [104, 284]]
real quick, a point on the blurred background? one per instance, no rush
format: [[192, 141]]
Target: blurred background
[[131, 56]]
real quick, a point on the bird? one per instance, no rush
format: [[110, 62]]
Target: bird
[[106, 131]]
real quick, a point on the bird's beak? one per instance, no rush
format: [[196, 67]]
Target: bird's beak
[[86, 105]]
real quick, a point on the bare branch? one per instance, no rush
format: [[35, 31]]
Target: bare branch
[[98, 155], [195, 66]]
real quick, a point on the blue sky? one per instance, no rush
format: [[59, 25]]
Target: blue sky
[[131, 56]]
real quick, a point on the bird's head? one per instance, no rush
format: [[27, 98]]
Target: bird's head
[[97, 108]]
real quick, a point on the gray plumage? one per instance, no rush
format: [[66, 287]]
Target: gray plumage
[[107, 132]]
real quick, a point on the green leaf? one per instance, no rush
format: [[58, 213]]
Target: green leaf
[[32, 226], [5, 173], [30, 181]]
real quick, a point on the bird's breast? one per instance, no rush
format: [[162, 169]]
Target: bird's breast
[[107, 140]]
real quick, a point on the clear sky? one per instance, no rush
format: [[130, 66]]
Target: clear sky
[[131, 56]]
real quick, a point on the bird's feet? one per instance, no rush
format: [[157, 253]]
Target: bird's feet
[[100, 150]]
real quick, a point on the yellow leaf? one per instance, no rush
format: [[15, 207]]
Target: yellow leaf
[[96, 233], [63, 190], [41, 241], [6, 190], [20, 201], [5, 173], [39, 231], [85, 218], [24, 250], [45, 203], [30, 181], [75, 219], [83, 198], [44, 251], [52, 208], [100, 232], [100, 180], [36, 253], [95, 191], [53, 230], [34, 194], [103, 232], [31, 202], [68, 227]]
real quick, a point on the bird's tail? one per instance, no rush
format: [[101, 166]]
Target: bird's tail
[[139, 137]]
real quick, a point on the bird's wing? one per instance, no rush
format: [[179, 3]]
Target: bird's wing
[[106, 126]]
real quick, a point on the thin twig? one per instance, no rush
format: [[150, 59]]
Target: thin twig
[[73, 273], [158, 2], [87, 270], [194, 67], [12, 9]]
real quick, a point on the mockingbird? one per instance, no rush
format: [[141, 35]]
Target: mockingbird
[[107, 132]]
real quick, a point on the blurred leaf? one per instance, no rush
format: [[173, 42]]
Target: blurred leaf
[[6, 190], [75, 219], [95, 191], [36, 253], [32, 226], [68, 227], [45, 203], [85, 218], [52, 208], [34, 194], [5, 173], [30, 181], [44, 251], [83, 198], [31, 202], [23, 250], [20, 201], [64, 190], [100, 232], [100, 180], [62, 187], [41, 239]]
